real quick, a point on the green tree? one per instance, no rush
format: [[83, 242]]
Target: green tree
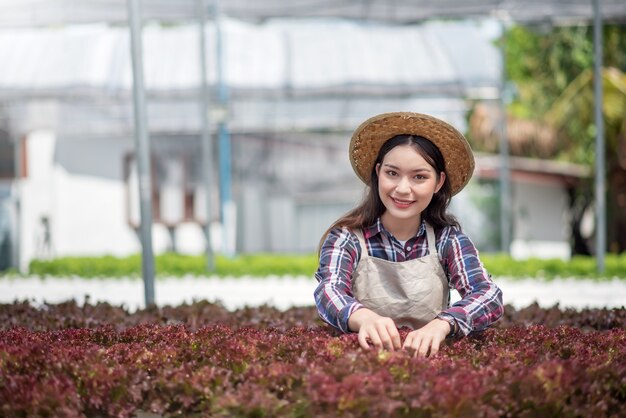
[[571, 112], [553, 71]]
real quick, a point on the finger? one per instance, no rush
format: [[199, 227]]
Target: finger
[[383, 339], [375, 340], [410, 342], [434, 347], [363, 340], [407, 342], [384, 336], [424, 346], [414, 345], [396, 342]]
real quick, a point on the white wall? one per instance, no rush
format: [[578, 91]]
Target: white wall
[[37, 194], [79, 186], [540, 221]]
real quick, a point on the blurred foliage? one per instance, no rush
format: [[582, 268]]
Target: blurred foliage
[[501, 265], [178, 265], [553, 74], [552, 69], [542, 61], [263, 265]]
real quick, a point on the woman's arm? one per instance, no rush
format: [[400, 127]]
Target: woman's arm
[[334, 299], [333, 295], [481, 299]]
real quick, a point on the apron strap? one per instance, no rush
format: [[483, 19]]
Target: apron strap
[[359, 234], [430, 235]]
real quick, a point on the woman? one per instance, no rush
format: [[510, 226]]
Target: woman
[[391, 261]]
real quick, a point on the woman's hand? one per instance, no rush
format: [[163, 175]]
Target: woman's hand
[[425, 341], [378, 330]]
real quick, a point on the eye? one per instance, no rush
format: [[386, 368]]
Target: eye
[[391, 173], [419, 177]]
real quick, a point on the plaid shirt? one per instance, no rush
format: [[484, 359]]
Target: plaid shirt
[[481, 302]]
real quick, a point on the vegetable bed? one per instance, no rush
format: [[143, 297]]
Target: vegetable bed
[[202, 360]]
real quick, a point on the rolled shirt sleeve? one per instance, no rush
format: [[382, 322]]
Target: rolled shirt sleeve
[[481, 299], [333, 296]]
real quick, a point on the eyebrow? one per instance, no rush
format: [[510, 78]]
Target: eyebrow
[[398, 168]]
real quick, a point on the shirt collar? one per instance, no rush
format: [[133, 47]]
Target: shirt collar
[[377, 228]]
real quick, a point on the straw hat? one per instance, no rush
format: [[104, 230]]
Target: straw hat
[[374, 132]]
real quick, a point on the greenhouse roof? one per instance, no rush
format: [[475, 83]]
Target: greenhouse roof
[[310, 57], [55, 12]]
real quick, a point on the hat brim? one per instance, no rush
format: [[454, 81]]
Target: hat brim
[[374, 132]]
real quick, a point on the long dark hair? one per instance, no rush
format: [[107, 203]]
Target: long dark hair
[[371, 207]]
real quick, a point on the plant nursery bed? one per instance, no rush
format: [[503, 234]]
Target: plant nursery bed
[[202, 360]]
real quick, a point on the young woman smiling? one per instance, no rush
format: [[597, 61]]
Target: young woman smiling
[[391, 261]]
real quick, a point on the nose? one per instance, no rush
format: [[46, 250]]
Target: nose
[[403, 186]]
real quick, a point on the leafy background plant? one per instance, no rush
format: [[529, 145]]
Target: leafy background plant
[[552, 69], [263, 265]]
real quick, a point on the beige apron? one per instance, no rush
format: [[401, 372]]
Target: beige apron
[[411, 292]]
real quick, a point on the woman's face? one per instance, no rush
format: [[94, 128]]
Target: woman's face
[[406, 184]]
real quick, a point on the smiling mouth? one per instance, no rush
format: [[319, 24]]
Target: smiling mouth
[[402, 203]]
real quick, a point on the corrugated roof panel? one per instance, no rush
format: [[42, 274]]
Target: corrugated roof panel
[[256, 55], [316, 54], [334, 52]]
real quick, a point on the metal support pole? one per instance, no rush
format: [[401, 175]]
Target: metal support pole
[[228, 208], [17, 197], [142, 150], [505, 173], [600, 187], [206, 143]]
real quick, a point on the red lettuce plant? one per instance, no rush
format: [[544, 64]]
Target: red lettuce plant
[[202, 360]]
